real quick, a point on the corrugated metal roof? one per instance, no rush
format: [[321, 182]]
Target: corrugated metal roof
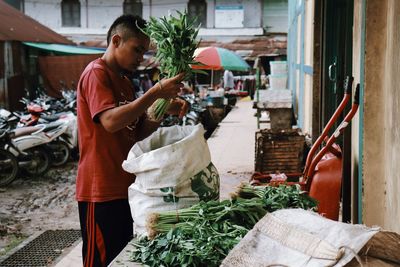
[[250, 48], [16, 26]]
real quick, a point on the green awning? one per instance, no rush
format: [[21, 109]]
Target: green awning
[[66, 49]]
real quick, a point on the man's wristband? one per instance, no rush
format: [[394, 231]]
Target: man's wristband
[[160, 85]]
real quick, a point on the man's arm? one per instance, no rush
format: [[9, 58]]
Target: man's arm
[[119, 117], [225, 79]]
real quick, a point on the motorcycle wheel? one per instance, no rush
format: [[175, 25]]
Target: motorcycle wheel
[[59, 152], [40, 161], [8, 167]]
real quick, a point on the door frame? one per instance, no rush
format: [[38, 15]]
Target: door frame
[[323, 53]]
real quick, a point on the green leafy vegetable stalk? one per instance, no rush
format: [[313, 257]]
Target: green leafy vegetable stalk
[[244, 212], [203, 234], [277, 197], [176, 42]]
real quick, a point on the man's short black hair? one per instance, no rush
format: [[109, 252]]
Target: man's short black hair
[[128, 26]]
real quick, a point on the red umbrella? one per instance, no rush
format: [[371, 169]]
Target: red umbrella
[[217, 58]]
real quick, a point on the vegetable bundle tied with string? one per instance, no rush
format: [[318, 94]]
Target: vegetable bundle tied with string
[[176, 42], [203, 234]]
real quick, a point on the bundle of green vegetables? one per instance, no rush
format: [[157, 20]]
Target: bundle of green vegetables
[[203, 234], [243, 212], [277, 197], [176, 42]]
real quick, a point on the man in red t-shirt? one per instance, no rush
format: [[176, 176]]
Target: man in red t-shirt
[[110, 121]]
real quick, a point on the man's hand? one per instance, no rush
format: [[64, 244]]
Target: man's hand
[[178, 107], [169, 88]]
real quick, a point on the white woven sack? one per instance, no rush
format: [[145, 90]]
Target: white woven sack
[[295, 237], [173, 170]]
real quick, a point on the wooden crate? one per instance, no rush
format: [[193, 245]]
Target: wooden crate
[[279, 151]]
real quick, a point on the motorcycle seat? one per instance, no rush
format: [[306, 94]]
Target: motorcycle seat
[[51, 118], [52, 126]]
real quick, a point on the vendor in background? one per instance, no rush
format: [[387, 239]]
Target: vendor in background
[[228, 80], [110, 121], [239, 85]]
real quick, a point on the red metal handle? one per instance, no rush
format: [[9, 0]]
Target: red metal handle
[[347, 94], [332, 139]]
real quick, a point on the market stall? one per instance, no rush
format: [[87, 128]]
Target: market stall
[[180, 221]]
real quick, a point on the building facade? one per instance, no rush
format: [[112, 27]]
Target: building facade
[[222, 21], [332, 39]]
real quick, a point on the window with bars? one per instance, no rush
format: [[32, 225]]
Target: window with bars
[[198, 9], [133, 7], [71, 13]]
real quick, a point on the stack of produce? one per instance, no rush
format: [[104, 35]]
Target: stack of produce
[[205, 233], [175, 38], [277, 197]]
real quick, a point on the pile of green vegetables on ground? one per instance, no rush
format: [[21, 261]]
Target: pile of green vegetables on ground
[[175, 38], [203, 234]]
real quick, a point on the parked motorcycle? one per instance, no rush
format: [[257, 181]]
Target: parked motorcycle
[[44, 110], [191, 118], [30, 146], [67, 143], [8, 162], [195, 113]]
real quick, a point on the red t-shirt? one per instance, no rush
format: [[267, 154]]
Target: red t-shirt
[[100, 174]]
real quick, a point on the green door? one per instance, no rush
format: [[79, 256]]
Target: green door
[[337, 53], [337, 21]]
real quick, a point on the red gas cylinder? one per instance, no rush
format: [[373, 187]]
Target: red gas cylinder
[[326, 186]]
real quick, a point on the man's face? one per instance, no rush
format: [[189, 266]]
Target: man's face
[[129, 53]]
